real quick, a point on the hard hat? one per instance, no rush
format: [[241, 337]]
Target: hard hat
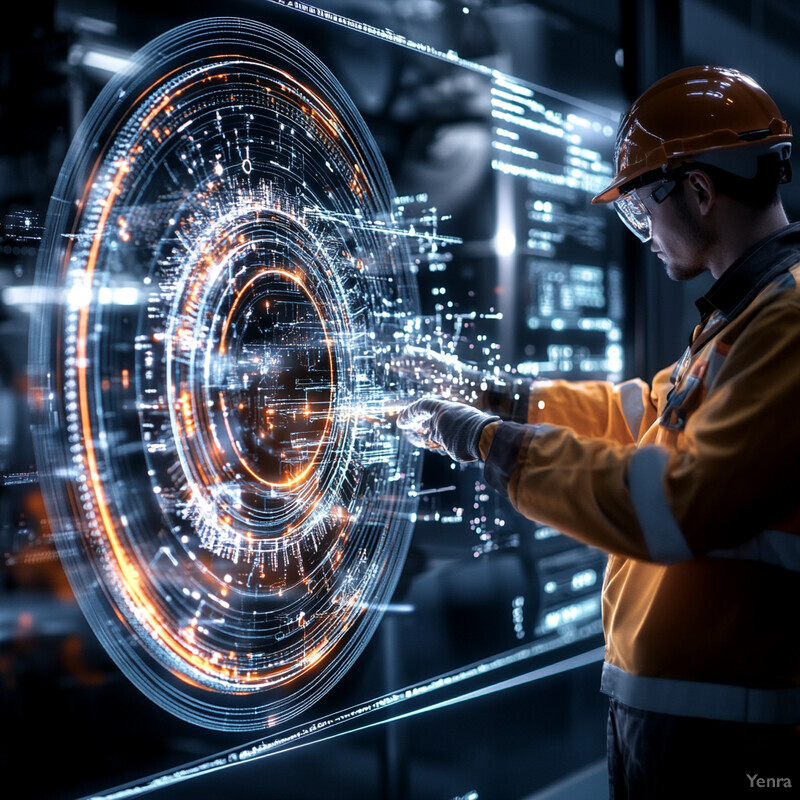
[[711, 115]]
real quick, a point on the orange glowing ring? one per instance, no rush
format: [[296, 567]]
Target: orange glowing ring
[[299, 281]]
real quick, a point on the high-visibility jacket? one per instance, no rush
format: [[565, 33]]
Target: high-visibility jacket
[[692, 485]]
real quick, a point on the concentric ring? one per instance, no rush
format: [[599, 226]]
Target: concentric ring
[[214, 430]]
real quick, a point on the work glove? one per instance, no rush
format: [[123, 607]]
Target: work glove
[[437, 424], [440, 372]]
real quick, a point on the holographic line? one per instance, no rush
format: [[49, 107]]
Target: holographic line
[[19, 478], [436, 490], [378, 226], [450, 56], [306, 735]]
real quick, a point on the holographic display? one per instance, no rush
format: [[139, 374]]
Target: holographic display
[[226, 283], [570, 313], [226, 274]]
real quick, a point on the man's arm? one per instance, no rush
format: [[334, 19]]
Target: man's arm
[[620, 412], [735, 473]]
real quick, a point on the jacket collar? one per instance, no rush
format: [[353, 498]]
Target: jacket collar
[[742, 281]]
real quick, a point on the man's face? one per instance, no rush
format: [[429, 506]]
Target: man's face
[[681, 237]]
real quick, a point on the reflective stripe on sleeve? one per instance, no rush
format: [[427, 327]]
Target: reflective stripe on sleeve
[[777, 548], [699, 699], [630, 396], [663, 536]]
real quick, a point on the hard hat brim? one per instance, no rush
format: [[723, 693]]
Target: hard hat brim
[[611, 192]]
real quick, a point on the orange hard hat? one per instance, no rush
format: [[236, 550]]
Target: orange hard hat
[[711, 115]]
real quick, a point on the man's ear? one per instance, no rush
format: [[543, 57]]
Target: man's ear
[[701, 191]]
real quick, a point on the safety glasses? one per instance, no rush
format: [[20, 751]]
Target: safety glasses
[[633, 210]]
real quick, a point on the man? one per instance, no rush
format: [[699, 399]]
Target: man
[[691, 483]]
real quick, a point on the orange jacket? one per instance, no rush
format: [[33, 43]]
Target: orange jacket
[[692, 485]]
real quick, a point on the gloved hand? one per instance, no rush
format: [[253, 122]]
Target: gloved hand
[[440, 372], [437, 424]]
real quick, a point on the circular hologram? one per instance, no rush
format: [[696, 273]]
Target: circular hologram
[[221, 295]]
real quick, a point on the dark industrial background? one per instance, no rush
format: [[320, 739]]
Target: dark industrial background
[[71, 724]]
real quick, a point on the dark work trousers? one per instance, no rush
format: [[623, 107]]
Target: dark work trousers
[[653, 756]]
